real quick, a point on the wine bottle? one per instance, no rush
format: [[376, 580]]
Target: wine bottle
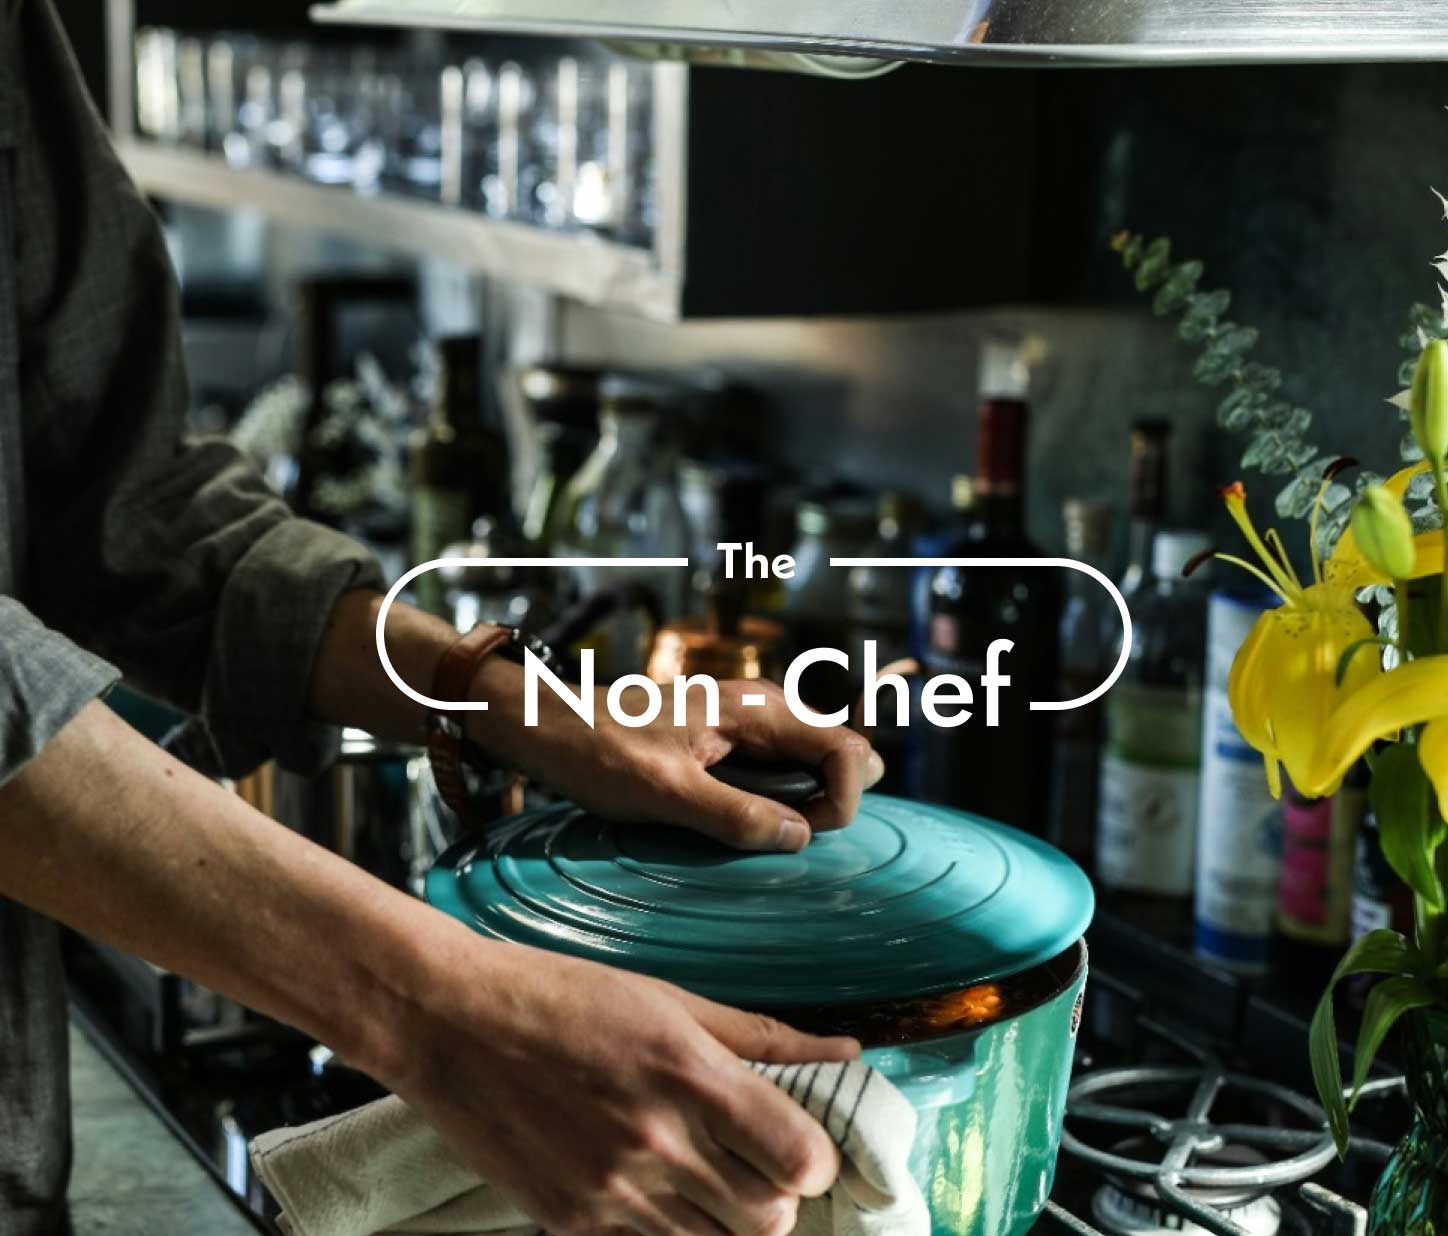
[[459, 465], [1084, 662], [1002, 771], [1151, 768], [1146, 503]]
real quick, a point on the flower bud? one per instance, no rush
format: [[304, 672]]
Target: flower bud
[[1384, 532], [1428, 408]]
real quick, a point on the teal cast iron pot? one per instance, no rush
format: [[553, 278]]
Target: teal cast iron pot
[[950, 945], [990, 1103]]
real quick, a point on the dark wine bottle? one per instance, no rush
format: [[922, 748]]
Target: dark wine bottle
[[1084, 653], [1146, 507], [459, 465], [1002, 772]]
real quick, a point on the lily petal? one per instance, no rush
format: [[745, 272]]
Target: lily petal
[[1397, 484], [1246, 690], [1283, 680], [1433, 755], [1412, 693], [1347, 566]]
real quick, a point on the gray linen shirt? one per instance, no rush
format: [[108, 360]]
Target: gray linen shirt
[[124, 547]]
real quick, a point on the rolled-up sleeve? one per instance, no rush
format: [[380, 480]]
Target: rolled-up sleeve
[[168, 557], [44, 681]]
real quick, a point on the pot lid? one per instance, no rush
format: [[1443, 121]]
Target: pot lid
[[909, 899]]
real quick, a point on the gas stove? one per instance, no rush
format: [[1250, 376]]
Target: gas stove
[[1209, 1150], [1190, 1110]]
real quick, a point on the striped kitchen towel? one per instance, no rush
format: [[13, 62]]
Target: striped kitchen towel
[[381, 1169]]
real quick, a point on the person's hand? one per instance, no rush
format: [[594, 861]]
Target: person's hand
[[658, 772], [604, 1102]]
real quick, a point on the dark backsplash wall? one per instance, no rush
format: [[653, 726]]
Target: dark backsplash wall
[[1305, 190]]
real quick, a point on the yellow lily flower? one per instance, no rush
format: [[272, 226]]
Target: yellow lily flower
[[1347, 565], [1283, 690]]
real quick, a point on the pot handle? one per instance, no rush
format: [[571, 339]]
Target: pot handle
[[790, 784]]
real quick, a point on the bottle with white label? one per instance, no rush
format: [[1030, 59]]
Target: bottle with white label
[[1239, 841], [1151, 766]]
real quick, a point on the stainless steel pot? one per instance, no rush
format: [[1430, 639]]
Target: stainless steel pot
[[376, 806]]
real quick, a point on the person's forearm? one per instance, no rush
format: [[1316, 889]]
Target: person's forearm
[[655, 773], [350, 687], [105, 832]]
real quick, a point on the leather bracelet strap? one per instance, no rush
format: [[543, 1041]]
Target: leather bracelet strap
[[451, 681]]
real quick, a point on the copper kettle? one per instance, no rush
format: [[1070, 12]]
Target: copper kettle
[[722, 643]]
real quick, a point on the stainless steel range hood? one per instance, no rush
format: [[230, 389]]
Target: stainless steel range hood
[[845, 36]]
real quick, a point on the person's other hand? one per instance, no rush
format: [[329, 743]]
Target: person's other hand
[[658, 772], [604, 1102]]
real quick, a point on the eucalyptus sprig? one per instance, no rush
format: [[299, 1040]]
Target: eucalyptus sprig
[[1277, 428]]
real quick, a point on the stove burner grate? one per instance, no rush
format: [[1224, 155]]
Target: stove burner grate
[[1183, 1172], [1131, 1205]]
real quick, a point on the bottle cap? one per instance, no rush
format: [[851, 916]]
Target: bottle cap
[[1173, 549], [1004, 373]]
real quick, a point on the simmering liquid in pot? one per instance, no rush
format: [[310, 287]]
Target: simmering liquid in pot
[[918, 1018]]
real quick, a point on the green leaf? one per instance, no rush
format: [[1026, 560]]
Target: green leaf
[[1261, 378], [1387, 1002], [1177, 289], [1154, 264], [1409, 826], [1378, 952], [1240, 407], [1276, 452], [1351, 650], [1426, 519], [1420, 487], [1297, 497], [1202, 313], [1223, 356]]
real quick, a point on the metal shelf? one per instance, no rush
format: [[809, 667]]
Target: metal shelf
[[578, 265]]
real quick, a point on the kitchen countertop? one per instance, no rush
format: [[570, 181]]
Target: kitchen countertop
[[131, 1176]]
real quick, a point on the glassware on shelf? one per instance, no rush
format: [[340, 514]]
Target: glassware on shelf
[[591, 203], [556, 144], [479, 145], [630, 150], [508, 191], [158, 102], [286, 134], [246, 144], [220, 92], [191, 97], [557, 140], [450, 135], [370, 141], [414, 163], [330, 128]]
